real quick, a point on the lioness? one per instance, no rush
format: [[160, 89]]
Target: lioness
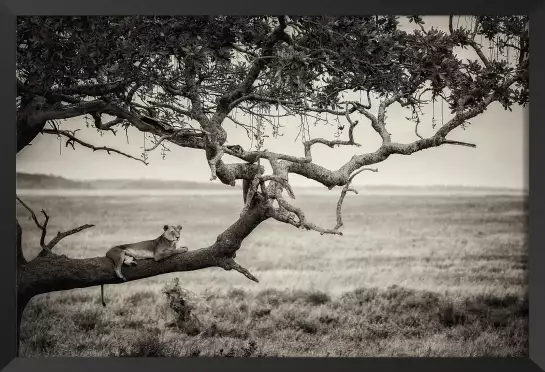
[[159, 249]]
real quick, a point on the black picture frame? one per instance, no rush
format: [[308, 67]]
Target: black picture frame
[[10, 9]]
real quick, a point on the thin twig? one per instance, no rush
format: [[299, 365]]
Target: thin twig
[[72, 139], [459, 143], [62, 235], [230, 264]]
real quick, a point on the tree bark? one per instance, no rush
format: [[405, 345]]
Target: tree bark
[[20, 305], [27, 130]]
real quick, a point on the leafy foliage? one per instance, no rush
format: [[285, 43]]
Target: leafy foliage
[[311, 66]]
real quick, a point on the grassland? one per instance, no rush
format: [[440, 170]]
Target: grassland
[[412, 276]]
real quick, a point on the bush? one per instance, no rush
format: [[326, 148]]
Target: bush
[[307, 326], [317, 298], [450, 316], [177, 301], [261, 312], [146, 345]]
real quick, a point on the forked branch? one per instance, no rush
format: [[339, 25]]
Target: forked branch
[[42, 227], [47, 247], [308, 144], [345, 189], [285, 214]]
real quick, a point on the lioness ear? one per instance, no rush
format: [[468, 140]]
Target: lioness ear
[[165, 227], [179, 227]]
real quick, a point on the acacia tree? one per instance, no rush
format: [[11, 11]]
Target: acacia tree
[[180, 79]]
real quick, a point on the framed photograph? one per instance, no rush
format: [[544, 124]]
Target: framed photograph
[[218, 188]]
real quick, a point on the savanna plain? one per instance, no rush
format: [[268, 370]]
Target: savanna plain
[[413, 275]]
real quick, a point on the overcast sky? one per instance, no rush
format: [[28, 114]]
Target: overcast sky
[[499, 159]]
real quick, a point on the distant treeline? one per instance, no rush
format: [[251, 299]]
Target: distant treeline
[[44, 181]]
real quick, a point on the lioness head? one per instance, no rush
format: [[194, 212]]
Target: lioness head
[[172, 233]]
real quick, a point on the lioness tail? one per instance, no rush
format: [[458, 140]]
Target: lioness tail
[[102, 294]]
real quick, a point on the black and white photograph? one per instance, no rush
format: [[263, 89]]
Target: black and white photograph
[[272, 186]]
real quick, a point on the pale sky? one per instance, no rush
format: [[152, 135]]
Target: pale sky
[[500, 159]]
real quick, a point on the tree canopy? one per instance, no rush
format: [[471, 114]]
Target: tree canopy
[[159, 74]]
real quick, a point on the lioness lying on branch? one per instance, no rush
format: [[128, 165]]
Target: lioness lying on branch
[[159, 249]]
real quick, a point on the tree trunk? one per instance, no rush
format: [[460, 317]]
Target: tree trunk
[[27, 130], [21, 305]]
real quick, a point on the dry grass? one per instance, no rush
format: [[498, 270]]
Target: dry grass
[[413, 276]]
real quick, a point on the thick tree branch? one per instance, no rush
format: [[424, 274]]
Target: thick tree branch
[[254, 156], [214, 160], [339, 177], [261, 98], [173, 108], [214, 142], [93, 90], [48, 273], [192, 93], [51, 96], [178, 132], [224, 103], [229, 173]]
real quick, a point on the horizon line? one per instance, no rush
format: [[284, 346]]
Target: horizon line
[[525, 189]]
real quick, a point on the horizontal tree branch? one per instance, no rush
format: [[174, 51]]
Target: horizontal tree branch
[[339, 177], [72, 139], [93, 90], [254, 156], [182, 131], [459, 143], [307, 145], [48, 273], [173, 108]]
